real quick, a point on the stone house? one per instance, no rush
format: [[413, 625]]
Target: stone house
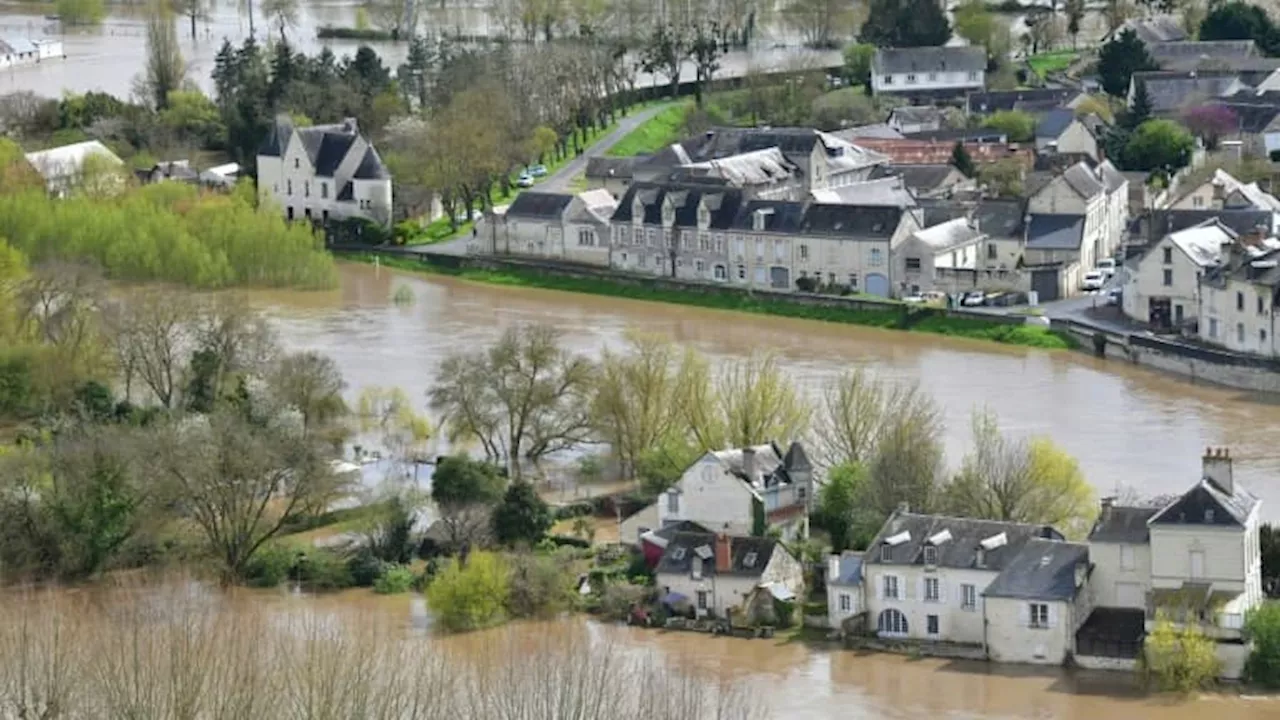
[[610, 173], [1238, 299], [63, 168], [1029, 100], [1221, 191], [551, 226], [915, 118], [1163, 287], [930, 181], [764, 174], [1100, 195], [323, 172], [1057, 254], [844, 591], [1034, 608], [945, 257], [1060, 132], [718, 575], [928, 72]]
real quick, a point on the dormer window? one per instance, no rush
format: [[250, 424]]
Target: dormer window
[[749, 560], [930, 556], [697, 568], [981, 560], [1208, 515], [886, 553]]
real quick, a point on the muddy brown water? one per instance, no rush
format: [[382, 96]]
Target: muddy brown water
[[1130, 428]]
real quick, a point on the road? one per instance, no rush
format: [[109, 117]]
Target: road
[[559, 180], [1077, 308]]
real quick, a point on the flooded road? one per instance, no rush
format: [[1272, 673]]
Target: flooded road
[[1130, 428]]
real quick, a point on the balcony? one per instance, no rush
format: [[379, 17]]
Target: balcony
[[1219, 613]]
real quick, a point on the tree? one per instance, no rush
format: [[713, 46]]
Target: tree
[[1159, 145], [1241, 21], [464, 490], [193, 10], [705, 50], [961, 161], [389, 413], [750, 401], [843, 508], [1003, 177], [1018, 125], [283, 12], [1269, 540], [975, 23], [1140, 110], [663, 53], [470, 596], [1180, 658], [165, 67], [81, 12], [908, 462], [522, 398], [820, 22], [905, 23], [153, 334], [1119, 59], [1018, 480], [240, 480], [311, 384], [857, 63], [1262, 629], [1210, 123], [521, 518]]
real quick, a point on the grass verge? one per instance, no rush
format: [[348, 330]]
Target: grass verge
[[659, 131], [892, 316], [1051, 62]]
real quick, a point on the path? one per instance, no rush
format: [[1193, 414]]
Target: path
[[559, 180]]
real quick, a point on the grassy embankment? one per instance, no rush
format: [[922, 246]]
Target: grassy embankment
[[659, 131], [1051, 62], [892, 316]]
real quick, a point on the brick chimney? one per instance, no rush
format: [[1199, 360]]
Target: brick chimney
[[724, 554], [749, 464], [1217, 469]]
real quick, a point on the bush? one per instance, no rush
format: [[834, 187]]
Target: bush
[[1180, 659], [395, 579], [618, 598], [365, 569], [784, 612], [1263, 629], [470, 597], [271, 565], [567, 512], [328, 32], [323, 569], [569, 541], [541, 585]]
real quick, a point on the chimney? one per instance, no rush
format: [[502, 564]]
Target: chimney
[[1217, 469], [904, 507], [833, 567], [349, 125], [749, 464], [724, 555]]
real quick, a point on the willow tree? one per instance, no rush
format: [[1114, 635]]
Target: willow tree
[[165, 67], [747, 402]]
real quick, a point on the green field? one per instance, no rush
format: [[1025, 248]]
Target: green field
[[659, 131], [1051, 62]]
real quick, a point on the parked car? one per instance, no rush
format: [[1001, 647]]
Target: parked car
[[1114, 296], [913, 298], [935, 297], [1107, 266], [1093, 280], [525, 180], [538, 171], [973, 298]]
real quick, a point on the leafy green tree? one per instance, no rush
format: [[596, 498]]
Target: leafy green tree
[[542, 584], [1119, 59], [905, 23], [522, 517], [844, 509], [1241, 21], [81, 12], [165, 68], [961, 160], [857, 63], [1262, 627], [977, 24], [1180, 658], [705, 50], [1140, 110], [471, 596], [660, 466], [663, 52], [459, 480], [193, 118], [1159, 145], [1018, 125]]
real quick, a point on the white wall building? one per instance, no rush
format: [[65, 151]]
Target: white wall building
[[1120, 550], [551, 226], [844, 589], [17, 52], [1100, 195], [1164, 283], [929, 71], [1239, 300], [719, 574], [324, 172], [64, 170], [928, 259], [1222, 191], [1034, 608]]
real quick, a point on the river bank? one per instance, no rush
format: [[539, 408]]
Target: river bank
[[855, 310]]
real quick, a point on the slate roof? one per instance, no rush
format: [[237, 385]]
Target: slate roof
[[724, 203], [1202, 244], [1171, 90], [533, 204], [1239, 221], [921, 179], [1083, 181], [851, 220], [1043, 570], [883, 191], [758, 167], [916, 114], [611, 167], [1055, 232], [875, 130], [1251, 118], [935, 211], [1121, 524], [1054, 123], [1033, 100], [779, 215], [1111, 177], [327, 149], [892, 61], [850, 566], [670, 530], [683, 548], [947, 235], [796, 458], [958, 551], [346, 193], [1182, 51], [1230, 510], [1154, 29]]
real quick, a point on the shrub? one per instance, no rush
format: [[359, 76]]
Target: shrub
[[1263, 629], [541, 585], [323, 569], [1180, 659], [472, 596], [395, 579], [271, 565], [365, 569], [618, 598]]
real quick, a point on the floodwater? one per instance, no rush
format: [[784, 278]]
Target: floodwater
[[108, 58], [1131, 429]]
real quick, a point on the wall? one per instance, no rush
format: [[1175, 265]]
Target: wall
[[1107, 572], [954, 623], [630, 529], [1223, 548], [1231, 317], [926, 81], [1011, 639], [1233, 658], [1094, 662], [723, 591], [710, 496], [1077, 139], [836, 616], [1148, 282]]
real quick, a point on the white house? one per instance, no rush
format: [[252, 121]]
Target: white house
[[1163, 287], [1060, 132], [324, 172], [929, 71], [1240, 299], [63, 168], [1221, 191], [1100, 195], [554, 226], [718, 574], [1120, 550], [731, 491], [1034, 607], [938, 257], [844, 589], [924, 576], [16, 52]]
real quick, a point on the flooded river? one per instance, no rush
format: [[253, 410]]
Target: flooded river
[[1130, 428]]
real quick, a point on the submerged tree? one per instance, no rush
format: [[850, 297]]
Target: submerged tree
[[165, 68]]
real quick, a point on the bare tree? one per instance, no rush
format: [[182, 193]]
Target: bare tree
[[312, 385], [153, 333], [193, 10], [165, 67], [284, 13], [856, 410], [749, 401]]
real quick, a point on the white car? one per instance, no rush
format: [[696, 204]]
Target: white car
[[973, 298], [1106, 266], [1093, 280]]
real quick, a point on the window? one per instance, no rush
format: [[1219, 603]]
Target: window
[[1213, 328], [800, 493], [888, 79], [742, 272], [1197, 201], [749, 560], [778, 250], [968, 597], [306, 188], [324, 190], [846, 604], [886, 553], [931, 589], [1260, 305], [931, 624], [804, 252], [911, 78], [721, 273], [760, 275], [288, 187], [1168, 277], [913, 263], [853, 281], [1240, 332], [892, 622], [981, 559], [586, 236], [702, 599], [933, 76], [624, 259], [699, 266], [1239, 300], [678, 553], [704, 242], [759, 250], [993, 252], [891, 587], [673, 502], [1126, 558], [696, 569], [1262, 337], [930, 555], [1168, 256], [973, 76], [876, 257], [295, 163], [1039, 615]]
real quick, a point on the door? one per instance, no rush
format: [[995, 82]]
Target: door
[[1177, 315], [877, 284], [1197, 564], [1045, 284], [1129, 595]]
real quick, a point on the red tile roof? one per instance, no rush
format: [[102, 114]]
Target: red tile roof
[[930, 152]]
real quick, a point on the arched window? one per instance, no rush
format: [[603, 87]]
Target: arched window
[[892, 623]]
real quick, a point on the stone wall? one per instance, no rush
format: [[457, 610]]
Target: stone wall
[[1097, 662]]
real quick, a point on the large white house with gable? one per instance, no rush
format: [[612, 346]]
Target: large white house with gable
[[324, 172]]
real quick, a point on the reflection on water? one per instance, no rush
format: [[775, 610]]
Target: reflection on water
[[1129, 427]]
